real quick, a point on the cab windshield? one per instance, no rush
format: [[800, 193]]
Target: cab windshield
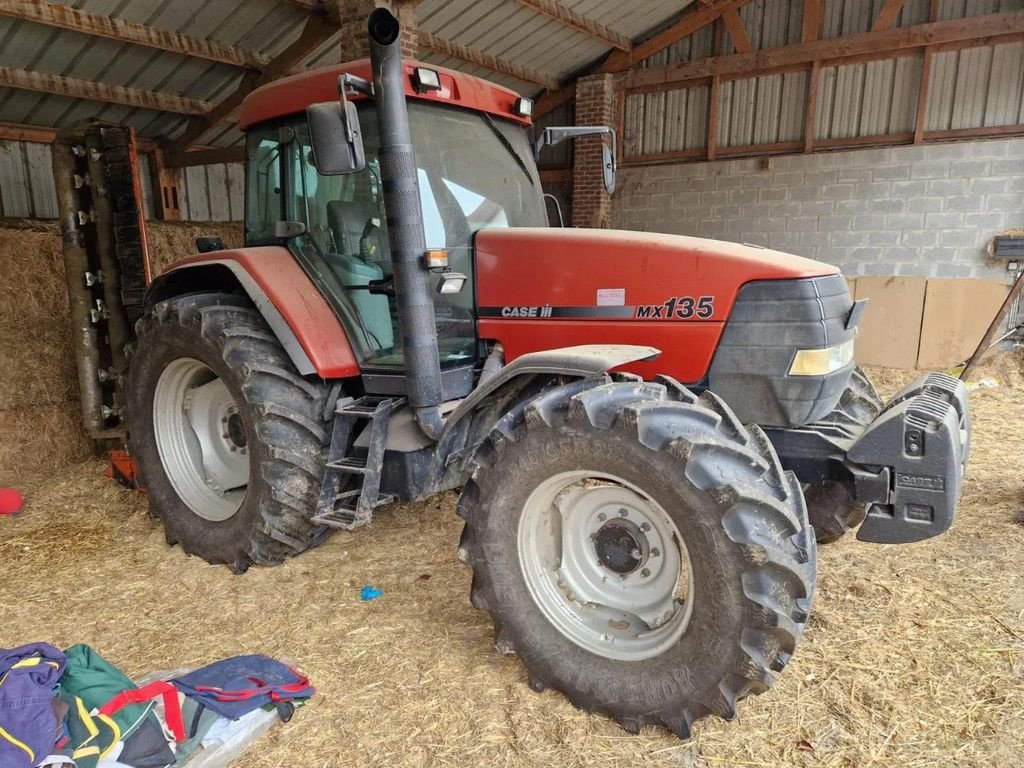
[[475, 172]]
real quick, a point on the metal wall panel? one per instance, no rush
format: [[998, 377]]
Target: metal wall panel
[[212, 192], [762, 110], [26, 181], [976, 87], [868, 99]]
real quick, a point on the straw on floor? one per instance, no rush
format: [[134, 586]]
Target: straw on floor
[[914, 655]]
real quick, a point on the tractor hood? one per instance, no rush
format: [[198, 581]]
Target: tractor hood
[[599, 268]]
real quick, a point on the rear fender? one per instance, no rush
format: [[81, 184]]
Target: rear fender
[[293, 307]]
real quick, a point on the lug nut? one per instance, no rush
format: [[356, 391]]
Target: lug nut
[[622, 513], [655, 552], [645, 527], [645, 573], [601, 517]]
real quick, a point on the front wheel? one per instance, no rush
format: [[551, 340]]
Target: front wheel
[[640, 550]]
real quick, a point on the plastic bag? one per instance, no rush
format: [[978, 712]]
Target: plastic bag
[[227, 740]]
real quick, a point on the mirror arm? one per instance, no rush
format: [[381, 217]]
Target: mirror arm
[[350, 83]]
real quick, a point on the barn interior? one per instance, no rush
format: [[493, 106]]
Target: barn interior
[[885, 137]]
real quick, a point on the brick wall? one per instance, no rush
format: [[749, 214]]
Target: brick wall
[[353, 40], [596, 103], [924, 210]]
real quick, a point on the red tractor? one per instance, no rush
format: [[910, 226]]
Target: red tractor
[[402, 321]]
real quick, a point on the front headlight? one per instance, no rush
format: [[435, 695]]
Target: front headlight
[[818, 362]]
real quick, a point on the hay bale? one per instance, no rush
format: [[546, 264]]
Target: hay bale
[[38, 365], [173, 240], [40, 440], [32, 276]]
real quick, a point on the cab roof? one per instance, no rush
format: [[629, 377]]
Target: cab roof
[[291, 95]]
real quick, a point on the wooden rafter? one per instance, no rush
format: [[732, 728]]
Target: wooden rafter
[[316, 32], [803, 54], [66, 17], [690, 22], [887, 16], [709, 12], [205, 156], [571, 18], [113, 94], [479, 58], [738, 33], [813, 16]]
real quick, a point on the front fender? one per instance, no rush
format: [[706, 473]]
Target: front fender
[[289, 301]]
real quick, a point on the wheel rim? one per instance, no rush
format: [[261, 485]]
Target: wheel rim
[[606, 565], [201, 439]]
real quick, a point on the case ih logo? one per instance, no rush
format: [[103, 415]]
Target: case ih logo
[[925, 482], [678, 308], [544, 311], [675, 308]]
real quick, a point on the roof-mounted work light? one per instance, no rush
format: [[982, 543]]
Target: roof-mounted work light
[[424, 80]]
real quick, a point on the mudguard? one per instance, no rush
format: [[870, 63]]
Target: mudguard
[[293, 307], [583, 361]]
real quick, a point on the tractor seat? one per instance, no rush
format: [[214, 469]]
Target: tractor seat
[[348, 219]]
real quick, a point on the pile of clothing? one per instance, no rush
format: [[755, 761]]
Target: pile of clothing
[[74, 708]]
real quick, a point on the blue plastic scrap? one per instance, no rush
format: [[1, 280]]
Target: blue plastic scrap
[[370, 592]]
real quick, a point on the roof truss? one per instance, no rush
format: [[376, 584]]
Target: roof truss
[[66, 17]]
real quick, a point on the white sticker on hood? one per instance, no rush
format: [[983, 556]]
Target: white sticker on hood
[[611, 297]]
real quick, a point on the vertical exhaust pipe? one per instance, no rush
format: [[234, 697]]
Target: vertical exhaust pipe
[[405, 225]]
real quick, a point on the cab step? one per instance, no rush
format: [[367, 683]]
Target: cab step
[[341, 505]]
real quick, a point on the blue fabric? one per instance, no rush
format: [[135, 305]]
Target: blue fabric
[[241, 673], [26, 704], [370, 592]]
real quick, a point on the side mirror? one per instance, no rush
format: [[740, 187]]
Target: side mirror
[[334, 130], [558, 134]]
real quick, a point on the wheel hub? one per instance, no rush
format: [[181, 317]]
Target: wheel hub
[[621, 546], [606, 565], [201, 438]]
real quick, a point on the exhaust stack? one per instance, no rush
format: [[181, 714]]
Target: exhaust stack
[[405, 225]]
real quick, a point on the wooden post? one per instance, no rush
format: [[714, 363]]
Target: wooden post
[[922, 96], [165, 186], [812, 106]]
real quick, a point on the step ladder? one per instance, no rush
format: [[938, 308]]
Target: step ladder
[[342, 504]]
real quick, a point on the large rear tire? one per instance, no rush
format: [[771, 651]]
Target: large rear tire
[[830, 508], [228, 437], [583, 506]]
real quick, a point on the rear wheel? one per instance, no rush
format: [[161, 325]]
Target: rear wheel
[[830, 508], [640, 550], [228, 437]]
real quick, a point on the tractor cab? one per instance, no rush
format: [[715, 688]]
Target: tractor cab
[[475, 170]]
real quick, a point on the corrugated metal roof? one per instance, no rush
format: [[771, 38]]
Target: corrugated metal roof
[[503, 28]]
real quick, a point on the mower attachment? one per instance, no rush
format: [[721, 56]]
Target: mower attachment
[[922, 438]]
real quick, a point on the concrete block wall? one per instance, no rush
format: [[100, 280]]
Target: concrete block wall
[[916, 210]]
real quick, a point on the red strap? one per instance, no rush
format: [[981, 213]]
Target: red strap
[[244, 694], [172, 707]]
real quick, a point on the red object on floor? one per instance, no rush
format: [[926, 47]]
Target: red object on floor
[[10, 501]]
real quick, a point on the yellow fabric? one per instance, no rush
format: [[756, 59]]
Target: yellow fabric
[[117, 733], [19, 744]]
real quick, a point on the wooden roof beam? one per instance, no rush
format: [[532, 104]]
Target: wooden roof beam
[[887, 15], [580, 23], [444, 47], [316, 32], [66, 17], [112, 94], [692, 21], [867, 44]]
